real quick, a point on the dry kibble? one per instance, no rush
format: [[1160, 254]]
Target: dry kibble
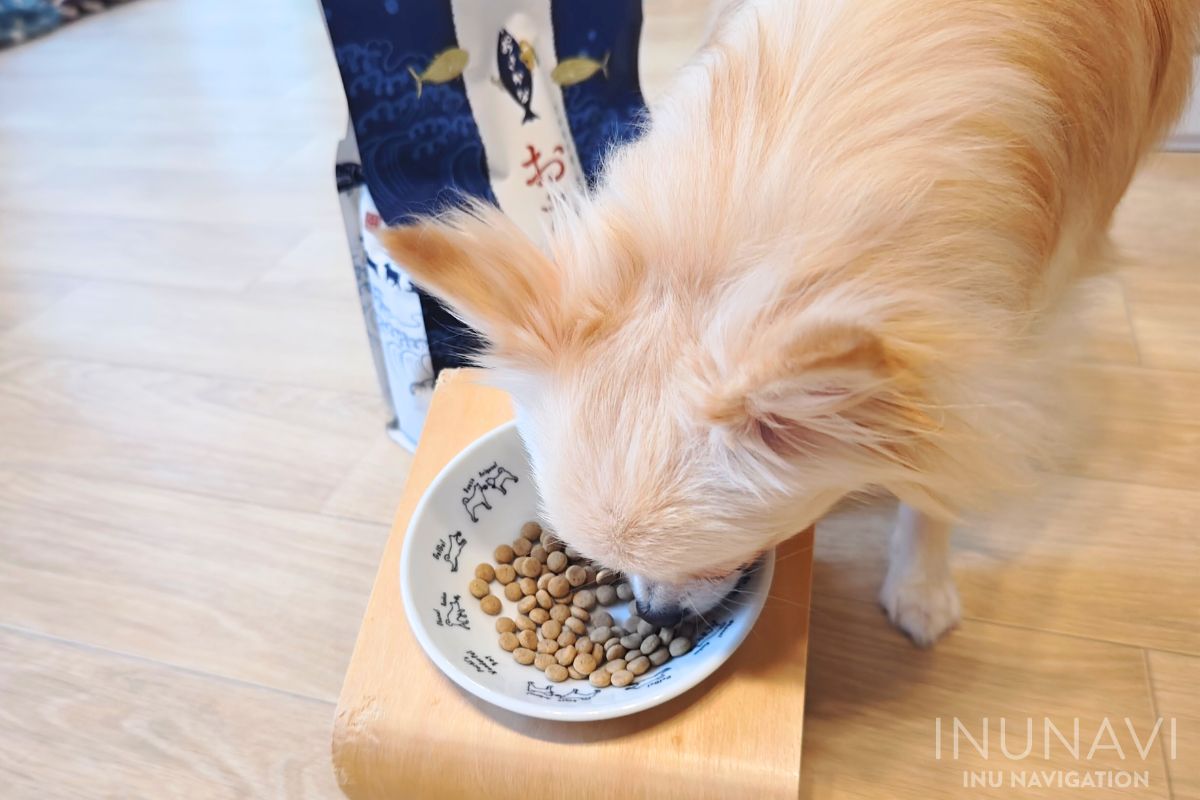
[[539, 552], [546, 570], [543, 580], [556, 561], [616, 651], [584, 663], [680, 645], [579, 613], [565, 655], [565, 600], [605, 577], [505, 625], [524, 656], [575, 625], [524, 623], [606, 595], [600, 635], [504, 554], [646, 628], [583, 645], [615, 665], [544, 599], [601, 618], [560, 613], [490, 605], [509, 641], [530, 568], [526, 604], [631, 642], [551, 629], [633, 615], [619, 678], [550, 542], [522, 547], [650, 644], [478, 588], [505, 573], [576, 674], [528, 639], [528, 586], [633, 622], [559, 587], [558, 673], [638, 665], [539, 615], [600, 678], [567, 637], [532, 531], [585, 599], [512, 592], [547, 646], [485, 573], [660, 656], [624, 591], [543, 660], [612, 641], [665, 635], [576, 575]]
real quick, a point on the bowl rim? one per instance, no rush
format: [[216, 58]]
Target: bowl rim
[[638, 702]]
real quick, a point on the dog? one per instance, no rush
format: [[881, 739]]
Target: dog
[[825, 268]]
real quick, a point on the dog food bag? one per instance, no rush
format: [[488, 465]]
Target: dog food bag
[[450, 98]]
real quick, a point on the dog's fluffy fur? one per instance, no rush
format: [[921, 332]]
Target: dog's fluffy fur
[[824, 268]]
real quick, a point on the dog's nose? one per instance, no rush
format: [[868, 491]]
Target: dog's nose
[[663, 616]]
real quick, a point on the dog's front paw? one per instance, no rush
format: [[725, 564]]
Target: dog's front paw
[[924, 609]]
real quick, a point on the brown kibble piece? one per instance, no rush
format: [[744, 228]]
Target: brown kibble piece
[[532, 531], [558, 673], [478, 588], [550, 542], [505, 625], [576, 626], [505, 573], [600, 678], [485, 572], [544, 599], [556, 561], [509, 641], [616, 665], [539, 615], [547, 646], [528, 639], [583, 645], [528, 586], [539, 552], [544, 579], [524, 623], [560, 613], [503, 554], [638, 665], [490, 605], [558, 586], [580, 614], [585, 599], [616, 651], [576, 674], [531, 568], [576, 575], [512, 592], [551, 629], [622, 678], [565, 655], [584, 663], [523, 656], [606, 576], [543, 660], [522, 547], [567, 637], [526, 604]]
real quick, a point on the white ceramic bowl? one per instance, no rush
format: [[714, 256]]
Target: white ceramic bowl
[[479, 501]]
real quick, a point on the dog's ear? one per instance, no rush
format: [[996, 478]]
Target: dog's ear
[[488, 272], [794, 383]]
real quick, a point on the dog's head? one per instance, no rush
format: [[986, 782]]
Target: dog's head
[[679, 424]]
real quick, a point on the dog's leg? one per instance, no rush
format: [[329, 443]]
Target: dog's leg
[[918, 593]]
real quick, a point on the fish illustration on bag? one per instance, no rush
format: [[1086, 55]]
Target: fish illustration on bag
[[577, 70], [445, 67], [515, 76]]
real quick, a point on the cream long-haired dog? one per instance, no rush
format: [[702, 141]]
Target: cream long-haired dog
[[823, 269]]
